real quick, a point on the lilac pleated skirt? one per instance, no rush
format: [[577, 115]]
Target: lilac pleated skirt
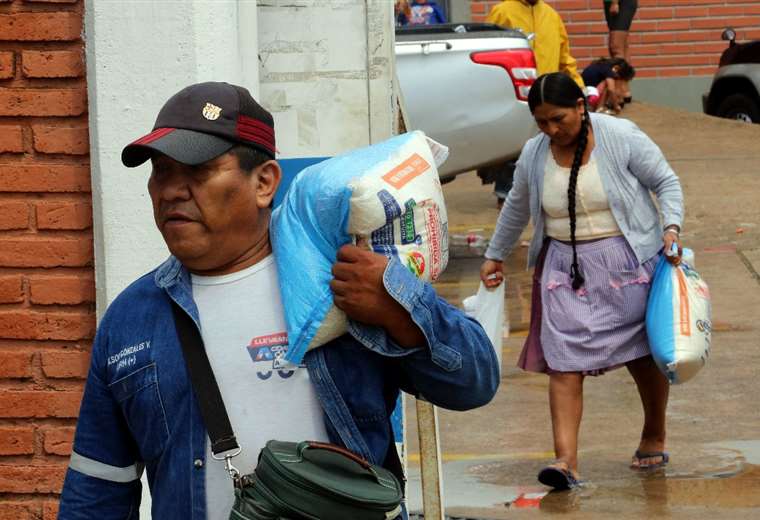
[[598, 327]]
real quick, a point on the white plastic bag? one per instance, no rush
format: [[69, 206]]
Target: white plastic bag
[[487, 307], [678, 319]]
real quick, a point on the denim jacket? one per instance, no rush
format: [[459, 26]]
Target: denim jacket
[[139, 411]]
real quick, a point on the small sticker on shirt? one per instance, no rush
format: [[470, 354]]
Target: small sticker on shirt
[[268, 355]]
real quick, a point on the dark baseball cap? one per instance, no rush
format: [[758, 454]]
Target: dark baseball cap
[[203, 121]]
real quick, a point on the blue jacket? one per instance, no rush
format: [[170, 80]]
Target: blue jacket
[[138, 409], [631, 166]]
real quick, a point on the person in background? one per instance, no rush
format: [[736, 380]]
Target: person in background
[[402, 12], [608, 82], [551, 47], [419, 12], [619, 15], [551, 44], [597, 236]]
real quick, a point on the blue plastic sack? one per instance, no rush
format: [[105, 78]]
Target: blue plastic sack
[[678, 319], [315, 219]]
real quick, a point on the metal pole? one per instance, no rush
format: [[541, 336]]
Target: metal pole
[[430, 461]]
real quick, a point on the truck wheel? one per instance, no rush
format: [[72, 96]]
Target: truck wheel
[[740, 107]]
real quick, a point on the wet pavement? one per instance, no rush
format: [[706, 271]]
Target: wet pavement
[[492, 455]]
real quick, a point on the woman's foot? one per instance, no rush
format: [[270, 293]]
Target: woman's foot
[[650, 455], [559, 476]]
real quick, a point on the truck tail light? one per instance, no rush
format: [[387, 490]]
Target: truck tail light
[[520, 64]]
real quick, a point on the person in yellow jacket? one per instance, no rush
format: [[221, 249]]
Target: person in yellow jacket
[[550, 45]]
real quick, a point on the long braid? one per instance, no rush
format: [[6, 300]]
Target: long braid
[[575, 273]]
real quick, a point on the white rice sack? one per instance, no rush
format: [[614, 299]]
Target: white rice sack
[[388, 196]]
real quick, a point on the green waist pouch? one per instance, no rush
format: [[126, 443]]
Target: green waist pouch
[[313, 480]]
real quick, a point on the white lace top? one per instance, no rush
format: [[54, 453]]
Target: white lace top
[[593, 216]]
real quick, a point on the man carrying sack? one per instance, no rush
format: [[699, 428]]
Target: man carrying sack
[[207, 327]]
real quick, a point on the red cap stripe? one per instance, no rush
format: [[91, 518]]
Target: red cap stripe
[[154, 135], [246, 121], [257, 140]]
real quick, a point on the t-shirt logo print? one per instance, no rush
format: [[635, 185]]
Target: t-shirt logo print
[[268, 353], [212, 112]]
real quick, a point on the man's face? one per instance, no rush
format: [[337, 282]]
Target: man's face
[[210, 215]]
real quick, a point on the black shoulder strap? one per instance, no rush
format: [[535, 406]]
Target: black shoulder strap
[[204, 383]]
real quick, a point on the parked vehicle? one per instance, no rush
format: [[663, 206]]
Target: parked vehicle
[[735, 89], [466, 86]]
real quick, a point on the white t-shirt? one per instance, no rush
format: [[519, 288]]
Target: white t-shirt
[[243, 329]]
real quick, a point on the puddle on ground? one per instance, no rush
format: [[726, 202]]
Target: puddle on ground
[[720, 480]]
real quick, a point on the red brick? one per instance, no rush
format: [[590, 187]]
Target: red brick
[[590, 41], [15, 365], [584, 16], [569, 5], [644, 26], [64, 215], [674, 72], [7, 65], [50, 510], [68, 364], [14, 215], [16, 440], [691, 12], [63, 290], [50, 26], [664, 13], [51, 1], [44, 178], [674, 25], [722, 23], [11, 139], [42, 102], [58, 441], [478, 18], [703, 71], [52, 64], [32, 479], [19, 510], [646, 73], [477, 8], [11, 289], [65, 140], [46, 325], [42, 404], [46, 252], [694, 36], [727, 10], [687, 2]]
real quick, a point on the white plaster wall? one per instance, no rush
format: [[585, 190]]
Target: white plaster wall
[[326, 73], [139, 53]]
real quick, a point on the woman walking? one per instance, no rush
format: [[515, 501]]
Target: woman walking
[[585, 182]]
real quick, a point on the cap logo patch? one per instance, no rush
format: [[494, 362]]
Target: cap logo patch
[[211, 112]]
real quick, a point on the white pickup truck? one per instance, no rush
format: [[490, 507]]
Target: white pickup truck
[[466, 86]]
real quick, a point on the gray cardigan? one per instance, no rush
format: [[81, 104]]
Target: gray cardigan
[[631, 166]]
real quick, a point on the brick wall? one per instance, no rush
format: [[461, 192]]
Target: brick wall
[[47, 314], [668, 37]]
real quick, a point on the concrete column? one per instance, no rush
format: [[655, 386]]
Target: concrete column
[[138, 55]]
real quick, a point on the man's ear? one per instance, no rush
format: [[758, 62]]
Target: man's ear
[[269, 177]]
